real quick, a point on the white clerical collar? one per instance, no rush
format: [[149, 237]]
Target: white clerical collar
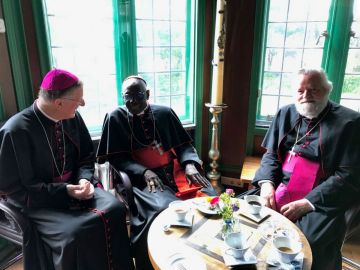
[[47, 116], [140, 113]]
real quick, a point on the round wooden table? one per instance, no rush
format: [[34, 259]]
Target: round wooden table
[[203, 240]]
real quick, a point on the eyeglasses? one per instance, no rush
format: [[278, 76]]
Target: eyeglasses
[[136, 96], [80, 102]]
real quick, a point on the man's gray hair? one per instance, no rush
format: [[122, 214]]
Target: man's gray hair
[[325, 83]]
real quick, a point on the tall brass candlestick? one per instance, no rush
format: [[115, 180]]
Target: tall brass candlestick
[[214, 152], [216, 106]]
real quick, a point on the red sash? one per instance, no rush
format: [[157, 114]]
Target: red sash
[[151, 158], [304, 177]]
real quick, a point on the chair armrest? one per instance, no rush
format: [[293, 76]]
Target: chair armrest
[[13, 223], [123, 187]]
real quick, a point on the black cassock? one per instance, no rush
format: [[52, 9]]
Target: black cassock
[[129, 133], [65, 233], [335, 144]]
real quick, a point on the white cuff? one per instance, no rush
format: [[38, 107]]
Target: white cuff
[[265, 181]]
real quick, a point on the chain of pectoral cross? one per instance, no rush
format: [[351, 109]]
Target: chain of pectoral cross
[[292, 151], [154, 144]]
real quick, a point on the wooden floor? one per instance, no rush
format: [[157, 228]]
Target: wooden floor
[[351, 249]]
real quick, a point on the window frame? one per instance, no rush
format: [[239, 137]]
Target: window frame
[[126, 50], [334, 59]]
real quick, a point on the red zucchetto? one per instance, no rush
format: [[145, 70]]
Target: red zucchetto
[[58, 79]]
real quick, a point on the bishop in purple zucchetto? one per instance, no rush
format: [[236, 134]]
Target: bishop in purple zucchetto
[[58, 79]]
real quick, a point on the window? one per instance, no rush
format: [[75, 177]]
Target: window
[[110, 40], [350, 95], [308, 34]]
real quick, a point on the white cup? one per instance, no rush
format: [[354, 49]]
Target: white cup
[[180, 209], [254, 203], [237, 244], [287, 248]]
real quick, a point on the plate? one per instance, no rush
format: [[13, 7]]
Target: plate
[[186, 261], [204, 206]]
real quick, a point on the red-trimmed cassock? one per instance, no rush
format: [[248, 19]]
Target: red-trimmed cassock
[[64, 233], [153, 140]]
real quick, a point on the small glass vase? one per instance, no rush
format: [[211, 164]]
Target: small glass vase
[[227, 227]]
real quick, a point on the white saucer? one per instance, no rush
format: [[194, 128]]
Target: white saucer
[[187, 222], [274, 262], [249, 258]]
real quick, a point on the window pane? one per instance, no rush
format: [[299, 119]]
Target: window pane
[[178, 104], [178, 33], [178, 10], [162, 84], [271, 83], [276, 34], [169, 56], [295, 34], [178, 58], [178, 83], [273, 60], [161, 33], [298, 10], [278, 10], [144, 33], [286, 84], [74, 47], [161, 9], [144, 9], [292, 60], [293, 30], [162, 59], [269, 106], [350, 96], [312, 57], [313, 32], [145, 59]]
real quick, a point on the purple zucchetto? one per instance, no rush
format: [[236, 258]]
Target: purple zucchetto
[[58, 79]]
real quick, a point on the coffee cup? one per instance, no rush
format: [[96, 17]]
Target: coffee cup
[[237, 244], [287, 248], [254, 203], [180, 209]]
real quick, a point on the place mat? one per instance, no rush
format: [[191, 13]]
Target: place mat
[[263, 215]]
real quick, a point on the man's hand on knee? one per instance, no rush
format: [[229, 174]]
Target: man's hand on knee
[[194, 177], [296, 209]]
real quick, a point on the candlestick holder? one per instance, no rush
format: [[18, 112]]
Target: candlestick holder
[[214, 152]]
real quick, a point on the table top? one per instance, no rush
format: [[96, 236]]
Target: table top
[[203, 242]]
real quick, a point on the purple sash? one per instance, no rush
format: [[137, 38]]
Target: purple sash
[[304, 177]]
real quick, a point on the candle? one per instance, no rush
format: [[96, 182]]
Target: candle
[[218, 59]]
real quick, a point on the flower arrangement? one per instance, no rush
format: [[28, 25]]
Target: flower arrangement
[[224, 204]]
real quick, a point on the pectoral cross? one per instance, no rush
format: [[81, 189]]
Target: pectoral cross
[[158, 146], [291, 153]]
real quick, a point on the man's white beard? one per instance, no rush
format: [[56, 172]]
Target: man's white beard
[[311, 110]]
